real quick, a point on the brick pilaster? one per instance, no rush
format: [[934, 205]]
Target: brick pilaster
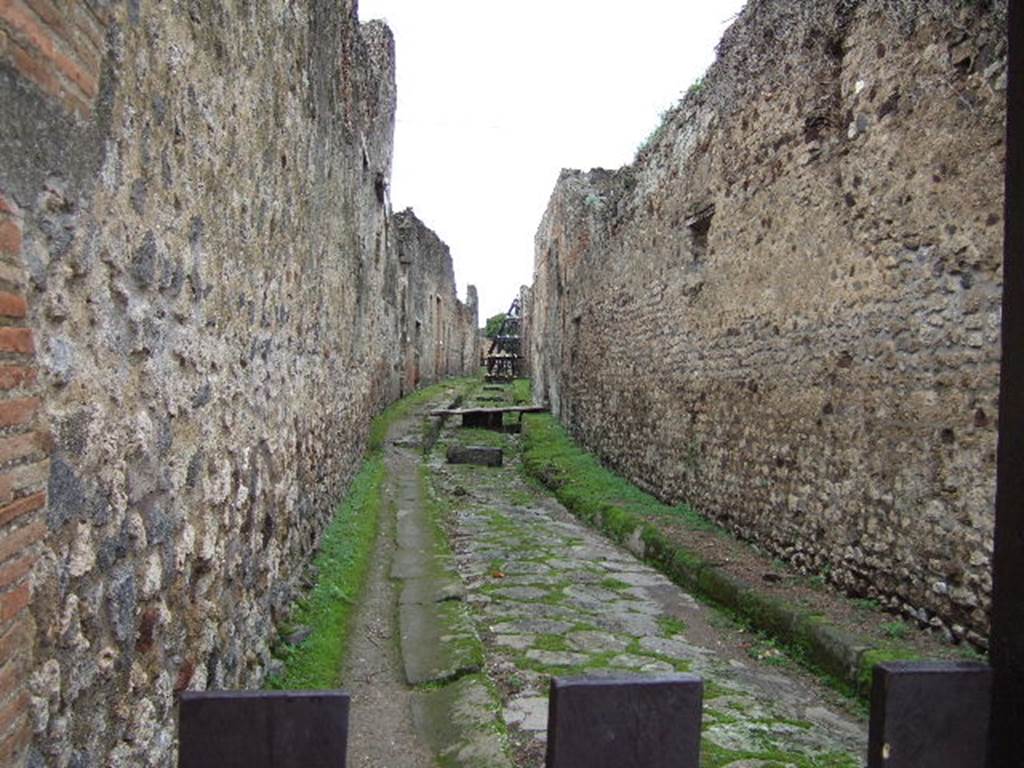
[[23, 473]]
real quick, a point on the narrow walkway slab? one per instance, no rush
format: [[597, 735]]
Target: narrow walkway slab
[[453, 706]]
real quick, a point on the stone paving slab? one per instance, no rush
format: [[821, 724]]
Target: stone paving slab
[[459, 722]]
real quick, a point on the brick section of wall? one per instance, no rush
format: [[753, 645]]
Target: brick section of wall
[[23, 470], [57, 46], [786, 311]]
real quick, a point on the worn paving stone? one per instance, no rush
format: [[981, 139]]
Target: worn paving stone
[[528, 712], [519, 642], [597, 642], [522, 593], [557, 658], [534, 625]]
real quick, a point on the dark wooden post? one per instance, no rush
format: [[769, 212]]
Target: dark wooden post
[[1007, 638], [929, 714], [625, 723], [262, 729]]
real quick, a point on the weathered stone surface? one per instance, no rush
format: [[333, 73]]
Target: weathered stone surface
[[221, 300], [786, 311], [460, 722], [475, 454]]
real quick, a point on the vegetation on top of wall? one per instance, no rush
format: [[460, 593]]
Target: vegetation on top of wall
[[342, 565], [696, 87]]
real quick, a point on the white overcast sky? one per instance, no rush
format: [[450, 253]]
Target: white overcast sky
[[495, 98]]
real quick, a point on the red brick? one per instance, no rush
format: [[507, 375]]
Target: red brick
[[17, 541], [13, 570], [18, 447], [10, 238], [76, 35], [28, 27], [13, 746], [12, 601], [22, 506], [34, 69], [12, 305], [13, 710], [16, 643], [20, 411], [12, 677], [8, 206], [13, 376], [17, 340]]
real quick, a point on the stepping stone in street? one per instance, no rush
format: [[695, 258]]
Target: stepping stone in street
[[479, 455]]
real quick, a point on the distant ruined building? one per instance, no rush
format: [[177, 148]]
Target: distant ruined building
[[786, 311], [204, 298]]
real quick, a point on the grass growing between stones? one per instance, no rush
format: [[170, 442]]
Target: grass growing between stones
[[400, 409], [342, 564]]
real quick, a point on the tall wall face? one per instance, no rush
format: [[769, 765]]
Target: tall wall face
[[786, 311], [438, 330], [199, 315]]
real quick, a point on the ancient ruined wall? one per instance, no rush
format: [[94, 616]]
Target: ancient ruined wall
[[199, 314], [525, 303], [786, 311], [439, 331]]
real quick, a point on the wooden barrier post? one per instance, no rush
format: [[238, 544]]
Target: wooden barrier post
[[625, 723], [262, 729], [1007, 636], [932, 714]]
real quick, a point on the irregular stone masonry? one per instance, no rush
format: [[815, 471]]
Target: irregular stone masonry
[[786, 312], [197, 252]]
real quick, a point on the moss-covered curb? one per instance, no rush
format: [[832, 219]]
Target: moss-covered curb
[[596, 495]]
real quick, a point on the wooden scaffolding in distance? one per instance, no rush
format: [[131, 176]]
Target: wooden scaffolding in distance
[[504, 358]]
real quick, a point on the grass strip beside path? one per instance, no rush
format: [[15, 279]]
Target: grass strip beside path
[[343, 562]]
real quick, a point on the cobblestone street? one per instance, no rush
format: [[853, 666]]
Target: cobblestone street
[[551, 597]]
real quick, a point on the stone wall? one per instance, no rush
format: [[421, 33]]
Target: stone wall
[[438, 330], [200, 312], [786, 311]]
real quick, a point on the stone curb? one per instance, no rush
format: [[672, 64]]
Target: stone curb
[[454, 708], [827, 647]]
